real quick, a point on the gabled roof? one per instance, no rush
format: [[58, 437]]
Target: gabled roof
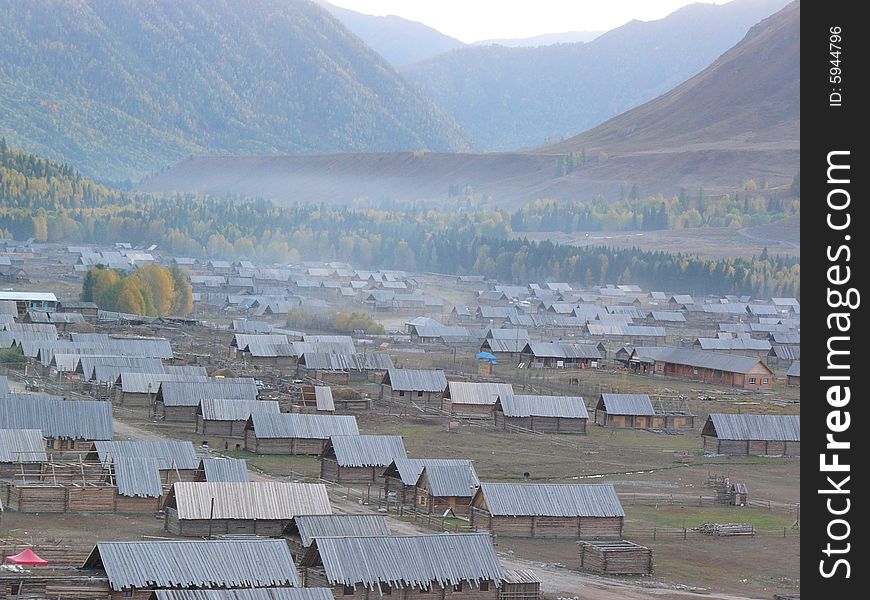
[[247, 594], [466, 392], [373, 361], [138, 383], [667, 316], [139, 476], [571, 407], [409, 469], [551, 500], [294, 425], [22, 445], [563, 350], [740, 343], [755, 427], [794, 370], [57, 418], [224, 469], [310, 527], [219, 409], [627, 404], [407, 560], [264, 500], [450, 479], [189, 393], [731, 363], [365, 450], [169, 453], [195, 563], [416, 380]]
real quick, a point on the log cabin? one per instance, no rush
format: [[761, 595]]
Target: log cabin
[[793, 375], [66, 425], [443, 488], [637, 411], [178, 400], [544, 414], [400, 478], [228, 418], [304, 529], [421, 386], [473, 400], [696, 365], [752, 435], [291, 433], [359, 458]]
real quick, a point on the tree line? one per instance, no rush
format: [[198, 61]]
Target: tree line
[[152, 290]]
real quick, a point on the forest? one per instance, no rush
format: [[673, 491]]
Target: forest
[[50, 202], [152, 290]]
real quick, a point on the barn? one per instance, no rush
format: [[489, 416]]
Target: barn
[[446, 487], [793, 375], [178, 400], [198, 509], [409, 566], [401, 477], [66, 425], [544, 414], [753, 435], [290, 433], [359, 458], [474, 400], [548, 510], [227, 418], [304, 529], [697, 365], [421, 386], [134, 569]]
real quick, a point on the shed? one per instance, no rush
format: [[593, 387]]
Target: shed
[[423, 386], [754, 435], [544, 414], [227, 418], [222, 469], [302, 530], [178, 400], [446, 487], [21, 449], [793, 375], [65, 424], [625, 410], [195, 509], [561, 354], [471, 399], [548, 510], [521, 584], [291, 433], [401, 477], [359, 458], [140, 389], [619, 557]]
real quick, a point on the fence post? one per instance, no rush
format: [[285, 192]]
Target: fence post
[[654, 533], [783, 532], [684, 533]]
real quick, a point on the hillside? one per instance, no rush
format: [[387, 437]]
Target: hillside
[[400, 41], [124, 87], [509, 98], [546, 39], [738, 119]]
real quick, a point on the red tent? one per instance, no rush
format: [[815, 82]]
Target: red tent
[[26, 557]]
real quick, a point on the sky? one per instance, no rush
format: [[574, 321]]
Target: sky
[[475, 20]]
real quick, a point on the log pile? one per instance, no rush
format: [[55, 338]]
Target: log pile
[[616, 558], [727, 529]]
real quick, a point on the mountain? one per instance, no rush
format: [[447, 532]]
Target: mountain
[[400, 41], [547, 39], [509, 98], [123, 87], [738, 119]]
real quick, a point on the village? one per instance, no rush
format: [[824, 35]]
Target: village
[[510, 442]]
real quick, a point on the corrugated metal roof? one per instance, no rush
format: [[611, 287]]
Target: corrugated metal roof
[[256, 594], [562, 350], [631, 311], [4, 385], [219, 409], [509, 346], [668, 316], [572, 407], [466, 392], [762, 309], [786, 338], [224, 469], [740, 343], [138, 476], [730, 363], [367, 450], [494, 333], [520, 576], [409, 469], [757, 427], [293, 425], [310, 527], [22, 445], [137, 383], [551, 499], [627, 404], [246, 326], [112, 366], [730, 308], [413, 380], [195, 563], [241, 340], [620, 329], [786, 352], [794, 370], [57, 418], [374, 361], [451, 479], [189, 393], [403, 561], [323, 398], [170, 453], [247, 499]]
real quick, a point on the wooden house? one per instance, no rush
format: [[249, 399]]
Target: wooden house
[[421, 386], [341, 369], [521, 584], [637, 411], [270, 349], [407, 567], [135, 569], [25, 301], [617, 557], [559, 355], [359, 458], [544, 414], [228, 418], [198, 509], [401, 477], [222, 469], [179, 400], [134, 389], [304, 529], [548, 510], [696, 365], [291, 433], [21, 450], [445, 488], [66, 425], [753, 435], [793, 375], [473, 400], [245, 594]]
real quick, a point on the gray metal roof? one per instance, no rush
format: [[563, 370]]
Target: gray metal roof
[[409, 469], [625, 330], [730, 363], [247, 499], [627, 404], [241, 340], [785, 338], [247, 326], [373, 361], [563, 350], [403, 561], [495, 333], [631, 311], [138, 383], [22, 445], [57, 418], [4, 385], [255, 594], [466, 392], [220, 409], [169, 453], [139, 477], [189, 393], [551, 499], [729, 308], [451, 480], [225, 469], [195, 563], [310, 527], [303, 426], [498, 345], [300, 348], [572, 407], [794, 370], [786, 352], [114, 365], [740, 343], [756, 427], [668, 316], [367, 450], [414, 380]]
